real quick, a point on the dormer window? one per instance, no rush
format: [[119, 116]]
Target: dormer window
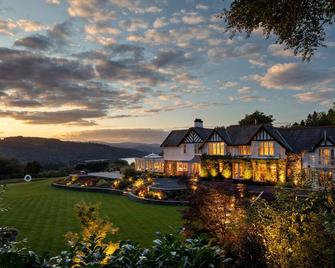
[[216, 148], [266, 148]]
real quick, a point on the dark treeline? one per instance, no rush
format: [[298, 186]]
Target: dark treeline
[[12, 168], [314, 119]]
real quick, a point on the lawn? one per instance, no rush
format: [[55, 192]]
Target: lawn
[[43, 214]]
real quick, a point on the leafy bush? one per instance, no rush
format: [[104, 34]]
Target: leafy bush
[[290, 231]]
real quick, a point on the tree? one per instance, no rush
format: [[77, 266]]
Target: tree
[[33, 168], [318, 119], [256, 118], [298, 24]]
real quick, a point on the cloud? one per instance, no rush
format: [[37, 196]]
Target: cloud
[[36, 42], [180, 37], [172, 58], [141, 135], [58, 117], [92, 10], [116, 71], [323, 96], [289, 75], [53, 2], [135, 6], [246, 50], [133, 25], [280, 51], [248, 98], [68, 85], [201, 7], [7, 27], [192, 18], [101, 33], [29, 26], [56, 37], [160, 22]]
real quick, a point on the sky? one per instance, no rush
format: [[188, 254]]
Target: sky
[[132, 70]]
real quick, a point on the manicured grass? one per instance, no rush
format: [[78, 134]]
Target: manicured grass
[[43, 214]]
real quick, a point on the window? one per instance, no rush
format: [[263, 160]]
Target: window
[[185, 149], [266, 148], [216, 148], [244, 150], [325, 155], [182, 167]]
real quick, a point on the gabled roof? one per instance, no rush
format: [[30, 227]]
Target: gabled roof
[[176, 137], [240, 135], [222, 132], [306, 138], [293, 139], [202, 132]]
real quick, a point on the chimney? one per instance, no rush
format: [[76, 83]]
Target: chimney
[[198, 123]]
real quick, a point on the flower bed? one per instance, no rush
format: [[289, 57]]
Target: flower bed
[[135, 189]]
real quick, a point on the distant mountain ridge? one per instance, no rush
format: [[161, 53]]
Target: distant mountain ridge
[[146, 148], [49, 151]]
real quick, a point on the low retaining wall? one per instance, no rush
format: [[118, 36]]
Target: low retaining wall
[[134, 197], [88, 189], [130, 195]]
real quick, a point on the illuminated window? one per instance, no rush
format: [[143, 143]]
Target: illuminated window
[[182, 167], [266, 148], [324, 156], [216, 148], [244, 150]]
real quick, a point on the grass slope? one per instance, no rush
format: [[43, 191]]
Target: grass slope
[[43, 215]]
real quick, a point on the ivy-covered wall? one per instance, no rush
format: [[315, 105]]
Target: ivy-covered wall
[[260, 170]]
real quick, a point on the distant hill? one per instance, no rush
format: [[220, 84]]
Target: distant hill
[[143, 147], [61, 152]]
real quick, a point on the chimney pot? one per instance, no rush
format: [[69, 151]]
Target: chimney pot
[[198, 123]]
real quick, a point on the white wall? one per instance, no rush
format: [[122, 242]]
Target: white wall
[[177, 153], [312, 159]]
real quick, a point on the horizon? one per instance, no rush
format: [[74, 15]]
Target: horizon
[[119, 71]]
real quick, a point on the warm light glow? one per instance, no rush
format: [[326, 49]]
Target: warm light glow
[[266, 148], [216, 148]]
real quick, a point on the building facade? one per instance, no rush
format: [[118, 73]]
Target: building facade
[[254, 152]]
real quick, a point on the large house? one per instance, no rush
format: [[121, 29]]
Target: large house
[[259, 152]]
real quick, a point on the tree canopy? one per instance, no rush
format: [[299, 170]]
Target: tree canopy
[[316, 119], [298, 24], [256, 118]]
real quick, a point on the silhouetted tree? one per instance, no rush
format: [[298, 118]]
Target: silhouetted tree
[[298, 24], [33, 168], [256, 118], [318, 119], [10, 168]]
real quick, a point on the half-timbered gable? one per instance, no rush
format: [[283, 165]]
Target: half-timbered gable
[[215, 137], [192, 137], [263, 135]]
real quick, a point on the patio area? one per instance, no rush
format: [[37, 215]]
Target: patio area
[[168, 184]]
